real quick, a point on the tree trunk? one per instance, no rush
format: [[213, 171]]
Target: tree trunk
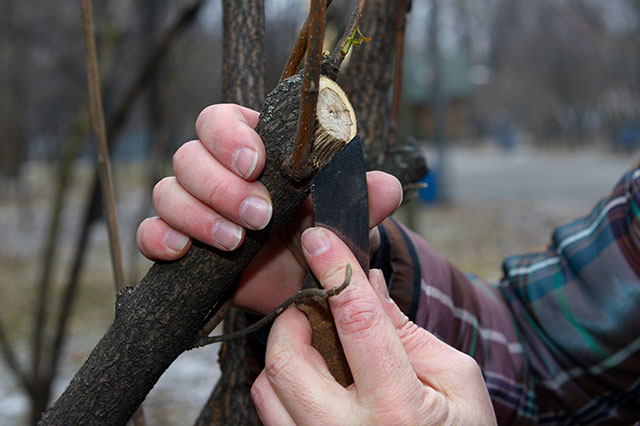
[[367, 80]]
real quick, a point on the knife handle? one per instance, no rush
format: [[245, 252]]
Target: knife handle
[[325, 335]]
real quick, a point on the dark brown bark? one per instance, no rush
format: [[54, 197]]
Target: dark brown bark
[[243, 47], [367, 80], [161, 317]]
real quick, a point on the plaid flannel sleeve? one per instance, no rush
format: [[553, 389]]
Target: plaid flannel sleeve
[[558, 339]]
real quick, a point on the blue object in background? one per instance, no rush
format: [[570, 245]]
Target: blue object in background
[[429, 195], [628, 137]]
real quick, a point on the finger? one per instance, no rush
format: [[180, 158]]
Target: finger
[[273, 264], [184, 212], [434, 362], [226, 130], [385, 195], [158, 241], [299, 375], [267, 403], [246, 203], [370, 342]]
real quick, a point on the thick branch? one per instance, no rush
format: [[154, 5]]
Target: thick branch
[[161, 317]]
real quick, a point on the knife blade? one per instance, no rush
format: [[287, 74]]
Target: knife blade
[[340, 204], [340, 200]]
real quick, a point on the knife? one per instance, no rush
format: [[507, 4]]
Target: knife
[[340, 204]]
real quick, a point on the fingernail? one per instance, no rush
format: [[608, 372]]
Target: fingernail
[[315, 241], [377, 278], [175, 240], [244, 161], [226, 234], [255, 212], [401, 192]]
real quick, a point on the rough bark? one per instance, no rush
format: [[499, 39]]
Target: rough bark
[[160, 318], [243, 47], [367, 80]]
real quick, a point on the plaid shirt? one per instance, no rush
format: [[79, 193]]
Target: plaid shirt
[[558, 339]]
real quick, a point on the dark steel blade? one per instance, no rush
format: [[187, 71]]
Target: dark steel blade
[[340, 202]]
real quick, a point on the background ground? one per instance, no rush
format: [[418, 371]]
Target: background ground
[[501, 204]]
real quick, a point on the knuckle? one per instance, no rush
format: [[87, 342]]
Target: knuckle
[[216, 192], [357, 317], [413, 337], [182, 155], [206, 116], [187, 216], [276, 362], [436, 409], [468, 366], [159, 190], [258, 391], [142, 234]]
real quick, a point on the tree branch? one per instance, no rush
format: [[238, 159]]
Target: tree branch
[[342, 48], [99, 129], [300, 163], [401, 20], [299, 49], [10, 358]]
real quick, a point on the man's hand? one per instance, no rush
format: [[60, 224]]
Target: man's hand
[[403, 374], [214, 197]]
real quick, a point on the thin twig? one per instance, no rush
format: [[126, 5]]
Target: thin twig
[[342, 48], [146, 70], [401, 20], [299, 164], [99, 128], [11, 360], [298, 51], [65, 176], [216, 319], [300, 297]]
